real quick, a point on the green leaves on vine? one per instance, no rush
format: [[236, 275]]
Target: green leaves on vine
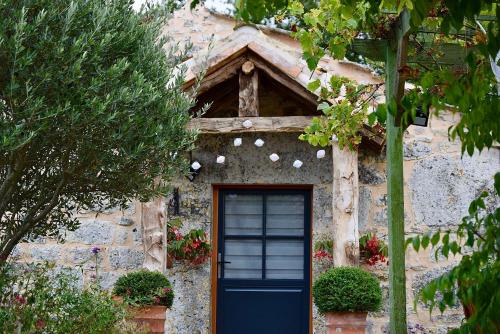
[[474, 281]]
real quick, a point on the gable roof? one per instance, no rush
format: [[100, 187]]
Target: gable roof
[[220, 47]]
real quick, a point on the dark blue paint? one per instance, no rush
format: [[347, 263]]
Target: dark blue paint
[[264, 306]]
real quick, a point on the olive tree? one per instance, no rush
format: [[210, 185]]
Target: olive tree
[[92, 112]]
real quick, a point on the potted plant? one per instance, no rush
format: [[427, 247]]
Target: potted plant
[[345, 295], [149, 294]]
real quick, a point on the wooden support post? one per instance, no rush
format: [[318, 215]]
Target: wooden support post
[[345, 206], [249, 91], [395, 59], [153, 234]]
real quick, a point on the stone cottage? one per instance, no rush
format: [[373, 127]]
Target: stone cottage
[[263, 214]]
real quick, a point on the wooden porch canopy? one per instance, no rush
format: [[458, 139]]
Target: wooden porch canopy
[[241, 72]]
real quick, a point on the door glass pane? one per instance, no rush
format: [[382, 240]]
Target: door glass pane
[[243, 214], [285, 259], [285, 215], [245, 257]]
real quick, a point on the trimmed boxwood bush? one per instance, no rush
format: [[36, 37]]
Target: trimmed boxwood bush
[[144, 288], [347, 289]]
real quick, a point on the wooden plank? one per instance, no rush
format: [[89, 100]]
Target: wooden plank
[[259, 124], [249, 91]]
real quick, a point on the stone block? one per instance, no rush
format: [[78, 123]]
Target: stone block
[[365, 197], [124, 221], [108, 279], [416, 149], [125, 258], [83, 257], [370, 175], [137, 236], [92, 232], [46, 253], [442, 187], [121, 237]]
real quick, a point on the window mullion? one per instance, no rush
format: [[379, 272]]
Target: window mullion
[[264, 210]]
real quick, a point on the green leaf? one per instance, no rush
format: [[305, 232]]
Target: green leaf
[[416, 243], [435, 238], [313, 86]]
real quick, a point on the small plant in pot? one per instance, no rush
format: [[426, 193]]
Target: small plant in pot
[[345, 295], [148, 294]]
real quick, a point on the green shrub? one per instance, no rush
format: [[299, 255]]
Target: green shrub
[[145, 288], [39, 299], [347, 289]]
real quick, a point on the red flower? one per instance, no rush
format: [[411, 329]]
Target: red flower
[[40, 324], [20, 299], [157, 300]]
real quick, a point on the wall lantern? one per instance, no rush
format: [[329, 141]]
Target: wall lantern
[[421, 117], [194, 168]]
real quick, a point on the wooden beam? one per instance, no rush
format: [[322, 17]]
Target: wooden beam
[[423, 53], [259, 124], [291, 124], [249, 91]]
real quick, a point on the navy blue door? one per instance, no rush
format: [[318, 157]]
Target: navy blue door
[[264, 260]]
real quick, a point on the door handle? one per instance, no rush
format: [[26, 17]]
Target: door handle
[[219, 264], [219, 259]]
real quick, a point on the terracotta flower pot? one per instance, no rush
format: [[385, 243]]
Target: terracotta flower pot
[[151, 317], [346, 322]]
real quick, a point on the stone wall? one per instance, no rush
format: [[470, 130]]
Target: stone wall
[[438, 188], [115, 232], [439, 185], [246, 164]]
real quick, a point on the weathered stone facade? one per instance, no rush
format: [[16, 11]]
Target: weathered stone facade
[[439, 185]]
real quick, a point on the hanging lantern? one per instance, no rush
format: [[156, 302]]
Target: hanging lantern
[[421, 117], [259, 143], [237, 141], [297, 164], [247, 124], [221, 159], [274, 157], [320, 154]]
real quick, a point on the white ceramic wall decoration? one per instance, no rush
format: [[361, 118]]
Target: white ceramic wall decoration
[[320, 154], [237, 141], [247, 124], [297, 164], [259, 143], [274, 157], [196, 165], [221, 159]]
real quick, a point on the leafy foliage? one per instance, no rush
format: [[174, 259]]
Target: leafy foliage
[[92, 113], [372, 249], [37, 299], [193, 247], [475, 280], [347, 289], [144, 287]]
